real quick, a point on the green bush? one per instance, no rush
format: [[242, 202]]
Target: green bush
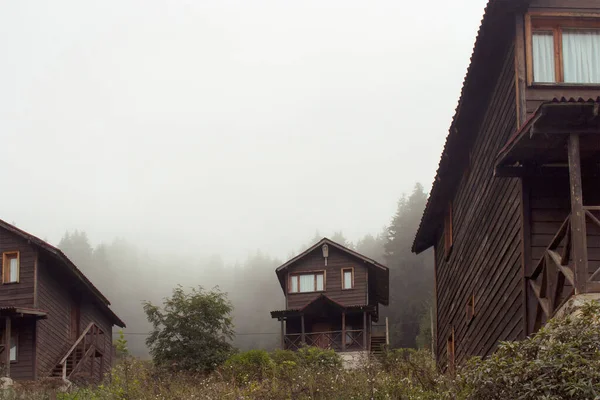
[[253, 365], [319, 359], [280, 356], [562, 361]]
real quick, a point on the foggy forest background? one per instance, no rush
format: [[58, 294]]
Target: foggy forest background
[[128, 275]]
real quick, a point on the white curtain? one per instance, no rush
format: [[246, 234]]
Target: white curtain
[[581, 56], [347, 279], [320, 282], [307, 283], [14, 269], [13, 349], [294, 284], [543, 57]]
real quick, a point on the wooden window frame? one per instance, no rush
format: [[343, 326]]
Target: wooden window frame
[[555, 22], [451, 352], [7, 255], [448, 232], [344, 270], [315, 273], [470, 309]]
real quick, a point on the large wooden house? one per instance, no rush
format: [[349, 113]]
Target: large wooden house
[[53, 321], [332, 297], [513, 214]]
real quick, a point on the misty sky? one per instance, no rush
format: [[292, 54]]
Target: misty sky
[[223, 126]]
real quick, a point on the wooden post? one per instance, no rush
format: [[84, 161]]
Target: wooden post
[[343, 331], [102, 366], [282, 335], [387, 331], [7, 336], [364, 330], [303, 338], [578, 234]]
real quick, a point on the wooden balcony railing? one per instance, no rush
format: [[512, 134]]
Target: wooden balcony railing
[[564, 268], [333, 340]]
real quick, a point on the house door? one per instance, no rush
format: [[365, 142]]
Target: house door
[[324, 340], [75, 317]]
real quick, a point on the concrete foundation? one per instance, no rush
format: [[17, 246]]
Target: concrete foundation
[[574, 304], [354, 359]]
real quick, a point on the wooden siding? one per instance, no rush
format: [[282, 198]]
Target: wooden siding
[[485, 261], [18, 294], [536, 95], [53, 333], [333, 279]]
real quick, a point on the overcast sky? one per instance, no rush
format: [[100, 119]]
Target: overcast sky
[[223, 126]]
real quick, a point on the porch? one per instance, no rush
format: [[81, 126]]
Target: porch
[[326, 324], [557, 154]]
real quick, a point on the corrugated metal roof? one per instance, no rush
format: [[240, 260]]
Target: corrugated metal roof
[[494, 11]]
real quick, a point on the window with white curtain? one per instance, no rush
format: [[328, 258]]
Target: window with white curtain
[[581, 55], [564, 50], [347, 278], [543, 57], [306, 283]]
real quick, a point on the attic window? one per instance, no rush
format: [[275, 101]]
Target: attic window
[[563, 49], [448, 234], [10, 267], [347, 278], [307, 282]]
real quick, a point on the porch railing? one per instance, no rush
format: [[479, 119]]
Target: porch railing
[[564, 268], [326, 340]]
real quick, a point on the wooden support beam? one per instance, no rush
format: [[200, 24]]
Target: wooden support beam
[[364, 330], [303, 337], [343, 331], [566, 270], [541, 300], [578, 233], [282, 334], [7, 336]]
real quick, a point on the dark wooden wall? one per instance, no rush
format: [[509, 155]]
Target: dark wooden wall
[[53, 333], [90, 312], [485, 261], [333, 279], [18, 294], [24, 329]]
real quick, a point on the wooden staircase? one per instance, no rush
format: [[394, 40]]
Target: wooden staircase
[[80, 360], [378, 344]]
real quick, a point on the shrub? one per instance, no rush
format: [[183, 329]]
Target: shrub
[[320, 359], [562, 361], [253, 365], [280, 356]]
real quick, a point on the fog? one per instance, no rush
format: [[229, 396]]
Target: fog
[[202, 132]]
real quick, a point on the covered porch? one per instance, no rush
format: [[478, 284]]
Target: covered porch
[[17, 341], [557, 156], [327, 324]]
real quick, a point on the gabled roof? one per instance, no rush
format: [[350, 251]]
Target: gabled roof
[[381, 271], [58, 255], [318, 303], [496, 25]]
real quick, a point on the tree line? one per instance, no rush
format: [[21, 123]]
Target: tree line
[[129, 276]]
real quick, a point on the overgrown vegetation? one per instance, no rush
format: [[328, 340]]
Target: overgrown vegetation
[[561, 362]]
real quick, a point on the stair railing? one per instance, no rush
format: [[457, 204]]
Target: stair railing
[[94, 330]]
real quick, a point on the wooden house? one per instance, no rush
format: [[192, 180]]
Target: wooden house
[[53, 321], [513, 214], [332, 297]]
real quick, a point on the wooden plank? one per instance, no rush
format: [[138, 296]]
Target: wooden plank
[[578, 233], [566, 271], [343, 331], [520, 69], [7, 337], [542, 300], [364, 330], [303, 333]]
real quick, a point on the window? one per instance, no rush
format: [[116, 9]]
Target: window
[[10, 267], [563, 49], [448, 235], [309, 282], [450, 352], [347, 278], [13, 348], [470, 309]]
